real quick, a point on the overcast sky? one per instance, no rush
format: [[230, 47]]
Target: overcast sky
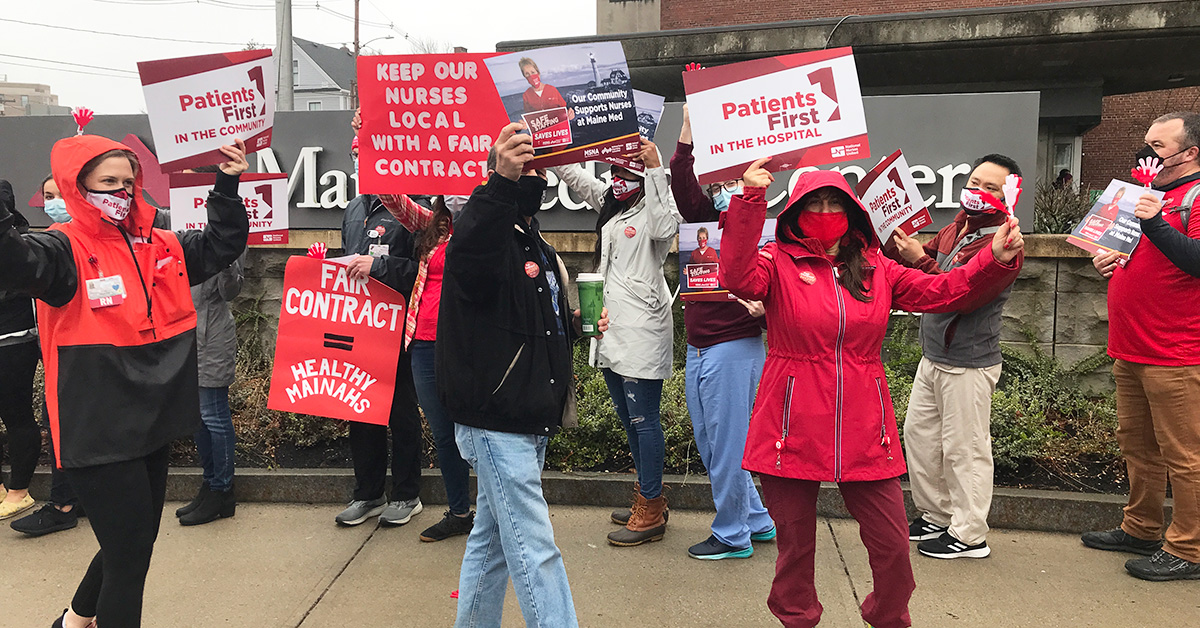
[[111, 85]]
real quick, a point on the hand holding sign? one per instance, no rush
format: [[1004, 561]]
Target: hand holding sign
[[648, 154], [756, 176], [910, 249], [1147, 169], [1148, 206], [1012, 192], [1007, 242], [237, 158], [514, 149]]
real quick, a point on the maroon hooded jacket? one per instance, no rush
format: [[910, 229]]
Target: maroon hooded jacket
[[823, 410]]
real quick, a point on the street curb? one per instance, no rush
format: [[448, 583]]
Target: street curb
[[1020, 509]]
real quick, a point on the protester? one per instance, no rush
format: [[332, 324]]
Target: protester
[[828, 293], [19, 357], [635, 230], [504, 375], [62, 510], [115, 301], [1154, 336], [947, 430], [432, 229], [1064, 181], [725, 357], [383, 250]]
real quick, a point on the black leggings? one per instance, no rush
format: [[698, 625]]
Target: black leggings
[[18, 363], [124, 502], [369, 444]]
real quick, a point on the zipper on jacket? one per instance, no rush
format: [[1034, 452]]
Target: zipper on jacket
[[142, 280], [786, 424], [509, 370], [837, 434], [884, 440]]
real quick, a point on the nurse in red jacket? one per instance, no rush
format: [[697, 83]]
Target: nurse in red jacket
[[823, 412], [118, 334]]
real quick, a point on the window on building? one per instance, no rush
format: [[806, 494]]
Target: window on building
[[24, 101], [295, 70], [314, 105]]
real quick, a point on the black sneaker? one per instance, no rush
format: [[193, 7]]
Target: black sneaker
[[946, 546], [1162, 567], [46, 520], [712, 549], [450, 525], [1119, 541], [922, 530]]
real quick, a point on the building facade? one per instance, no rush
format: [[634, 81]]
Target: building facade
[[28, 99]]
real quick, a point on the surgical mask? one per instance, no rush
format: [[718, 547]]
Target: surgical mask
[[56, 209], [975, 202], [356, 166], [114, 203], [624, 189], [724, 196], [455, 203]]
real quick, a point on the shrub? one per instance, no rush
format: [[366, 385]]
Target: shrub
[[1058, 210]]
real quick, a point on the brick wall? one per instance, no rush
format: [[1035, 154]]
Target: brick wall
[[701, 13], [1108, 149]]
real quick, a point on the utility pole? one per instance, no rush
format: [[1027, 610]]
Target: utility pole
[[283, 48], [354, 83]]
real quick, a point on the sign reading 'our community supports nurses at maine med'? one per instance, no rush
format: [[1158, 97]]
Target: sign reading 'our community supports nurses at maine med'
[[198, 104], [802, 109], [428, 122], [338, 344], [265, 197]]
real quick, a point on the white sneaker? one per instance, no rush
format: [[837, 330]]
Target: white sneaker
[[400, 513], [360, 510]]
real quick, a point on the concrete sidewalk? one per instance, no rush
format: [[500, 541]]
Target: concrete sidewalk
[[289, 566]]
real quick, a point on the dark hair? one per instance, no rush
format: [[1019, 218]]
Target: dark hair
[[609, 209], [42, 187], [1008, 163], [95, 162], [851, 258], [438, 228], [1191, 127]]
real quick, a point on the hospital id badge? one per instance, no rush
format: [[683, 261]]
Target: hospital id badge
[[105, 291], [378, 250]]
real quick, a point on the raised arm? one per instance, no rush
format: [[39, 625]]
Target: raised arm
[[965, 288], [693, 203], [223, 239], [407, 212], [663, 217], [588, 188], [745, 271]]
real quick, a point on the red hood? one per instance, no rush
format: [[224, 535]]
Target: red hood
[[67, 158], [816, 180]]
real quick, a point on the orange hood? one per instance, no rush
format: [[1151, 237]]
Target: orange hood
[[67, 158]]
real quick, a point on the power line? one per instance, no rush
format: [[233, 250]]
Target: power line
[[42, 67], [80, 65], [93, 32]]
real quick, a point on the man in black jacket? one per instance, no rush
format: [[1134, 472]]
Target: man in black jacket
[[385, 252], [504, 373]]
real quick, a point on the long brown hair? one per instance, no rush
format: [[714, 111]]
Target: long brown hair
[[437, 230], [851, 259]]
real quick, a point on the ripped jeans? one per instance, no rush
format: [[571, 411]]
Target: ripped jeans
[[638, 405]]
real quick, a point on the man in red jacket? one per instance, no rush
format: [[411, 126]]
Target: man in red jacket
[[1154, 336], [947, 431]]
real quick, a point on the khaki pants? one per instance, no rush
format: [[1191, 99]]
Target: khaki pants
[[948, 441], [1158, 408]]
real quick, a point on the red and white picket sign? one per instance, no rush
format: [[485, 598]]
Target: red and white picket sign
[[264, 194], [892, 198]]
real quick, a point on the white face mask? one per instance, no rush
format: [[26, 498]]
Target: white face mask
[[455, 203], [113, 203]]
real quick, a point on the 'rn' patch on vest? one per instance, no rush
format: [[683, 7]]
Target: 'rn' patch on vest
[[105, 291]]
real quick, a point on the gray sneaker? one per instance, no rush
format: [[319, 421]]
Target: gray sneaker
[[359, 511], [400, 513]]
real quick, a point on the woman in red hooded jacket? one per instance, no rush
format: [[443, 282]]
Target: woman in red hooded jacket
[[118, 334], [823, 412]]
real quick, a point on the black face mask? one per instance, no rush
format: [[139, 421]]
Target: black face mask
[[530, 201], [1148, 152]]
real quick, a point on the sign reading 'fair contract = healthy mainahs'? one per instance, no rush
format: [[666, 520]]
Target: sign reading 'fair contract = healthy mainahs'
[[803, 109], [197, 105]]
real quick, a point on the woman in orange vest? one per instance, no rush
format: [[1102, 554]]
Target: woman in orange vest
[[118, 334]]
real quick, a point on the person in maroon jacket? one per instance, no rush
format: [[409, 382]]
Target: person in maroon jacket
[[1154, 336], [823, 412], [725, 357]]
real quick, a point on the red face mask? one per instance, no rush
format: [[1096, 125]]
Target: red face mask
[[828, 227], [535, 80], [624, 189]]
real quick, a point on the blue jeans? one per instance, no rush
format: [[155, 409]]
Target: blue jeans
[[512, 537], [456, 472], [215, 439], [721, 384], [638, 403]]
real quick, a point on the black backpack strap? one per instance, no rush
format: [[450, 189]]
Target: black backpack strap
[[948, 261]]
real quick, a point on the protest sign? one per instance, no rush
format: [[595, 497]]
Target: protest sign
[[198, 104], [802, 109], [428, 122], [649, 113], [892, 198], [265, 196], [1110, 224], [700, 259], [576, 100], [338, 344]]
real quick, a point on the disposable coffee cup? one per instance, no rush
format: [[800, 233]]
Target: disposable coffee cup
[[591, 301]]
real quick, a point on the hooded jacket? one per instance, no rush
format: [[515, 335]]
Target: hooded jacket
[[823, 411], [121, 378]]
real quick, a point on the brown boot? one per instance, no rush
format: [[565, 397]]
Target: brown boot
[[621, 516], [647, 523]]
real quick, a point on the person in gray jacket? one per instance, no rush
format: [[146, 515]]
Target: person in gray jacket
[[637, 225], [216, 342]]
